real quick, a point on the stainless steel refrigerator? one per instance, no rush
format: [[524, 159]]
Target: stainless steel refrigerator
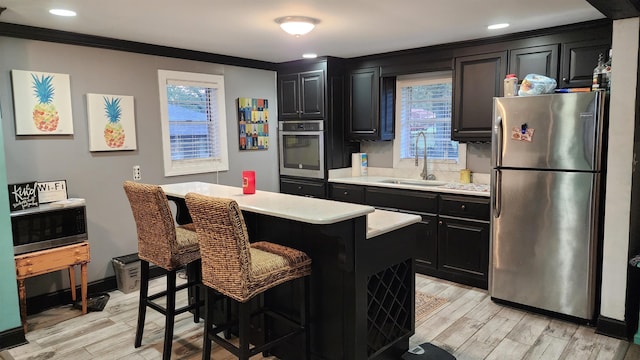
[[546, 183]]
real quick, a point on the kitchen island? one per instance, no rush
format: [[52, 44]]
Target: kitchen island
[[363, 271]]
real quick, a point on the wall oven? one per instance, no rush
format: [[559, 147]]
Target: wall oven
[[301, 146]]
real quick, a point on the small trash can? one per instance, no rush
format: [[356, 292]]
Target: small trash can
[[127, 269]]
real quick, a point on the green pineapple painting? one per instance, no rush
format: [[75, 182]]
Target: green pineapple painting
[[45, 115], [113, 131]]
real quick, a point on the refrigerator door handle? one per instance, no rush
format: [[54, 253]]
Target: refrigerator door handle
[[497, 147], [497, 197]]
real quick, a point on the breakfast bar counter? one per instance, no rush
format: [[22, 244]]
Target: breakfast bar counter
[[363, 271]]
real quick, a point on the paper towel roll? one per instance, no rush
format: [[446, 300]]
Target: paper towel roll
[[364, 160], [356, 164]]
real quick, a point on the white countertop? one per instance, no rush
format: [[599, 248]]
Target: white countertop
[[383, 221], [451, 187], [292, 207]]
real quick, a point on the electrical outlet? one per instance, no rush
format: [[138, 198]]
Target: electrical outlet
[[137, 175]]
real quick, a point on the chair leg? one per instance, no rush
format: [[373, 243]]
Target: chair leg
[[193, 270], [244, 312], [170, 314], [208, 317], [142, 303]]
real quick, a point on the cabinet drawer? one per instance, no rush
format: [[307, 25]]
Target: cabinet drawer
[[347, 193], [303, 187], [418, 201], [45, 261], [465, 207]]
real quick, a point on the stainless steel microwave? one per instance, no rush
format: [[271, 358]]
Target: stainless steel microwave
[[301, 145], [47, 226]]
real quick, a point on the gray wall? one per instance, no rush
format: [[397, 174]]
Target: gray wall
[[98, 177]]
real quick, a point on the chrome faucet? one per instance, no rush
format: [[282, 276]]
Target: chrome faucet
[[424, 174]]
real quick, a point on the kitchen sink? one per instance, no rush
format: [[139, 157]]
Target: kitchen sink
[[414, 182]]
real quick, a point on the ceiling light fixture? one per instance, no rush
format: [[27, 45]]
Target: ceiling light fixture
[[62, 12], [297, 25], [497, 26], [309, 56]]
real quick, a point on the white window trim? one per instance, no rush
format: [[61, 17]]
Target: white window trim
[[437, 165], [186, 167]]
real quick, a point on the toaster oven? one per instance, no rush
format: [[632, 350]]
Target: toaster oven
[[48, 226]]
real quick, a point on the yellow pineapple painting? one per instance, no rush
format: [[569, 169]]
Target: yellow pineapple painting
[[113, 131], [45, 115]]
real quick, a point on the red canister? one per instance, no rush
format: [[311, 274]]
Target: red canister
[[248, 182]]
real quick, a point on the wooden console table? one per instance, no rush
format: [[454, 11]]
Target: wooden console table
[[50, 260]]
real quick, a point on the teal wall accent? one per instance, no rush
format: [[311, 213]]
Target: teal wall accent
[[9, 306]]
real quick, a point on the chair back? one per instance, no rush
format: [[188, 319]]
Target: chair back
[[224, 243], [154, 223]]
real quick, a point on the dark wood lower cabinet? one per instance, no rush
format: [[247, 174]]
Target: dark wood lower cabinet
[[427, 245], [463, 251], [452, 240]]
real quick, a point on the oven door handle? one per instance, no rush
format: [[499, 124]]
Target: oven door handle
[[306, 133]]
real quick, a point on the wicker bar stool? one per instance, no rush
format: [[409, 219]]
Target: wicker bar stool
[[240, 270], [161, 243]]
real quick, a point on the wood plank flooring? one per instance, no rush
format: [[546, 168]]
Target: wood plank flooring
[[469, 325]]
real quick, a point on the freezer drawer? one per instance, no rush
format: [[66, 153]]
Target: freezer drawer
[[543, 248]]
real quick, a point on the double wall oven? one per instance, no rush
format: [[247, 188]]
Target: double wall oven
[[301, 146]]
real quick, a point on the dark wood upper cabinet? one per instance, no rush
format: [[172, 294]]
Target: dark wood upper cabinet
[[578, 60], [371, 105], [541, 60], [301, 96], [364, 87], [477, 79]]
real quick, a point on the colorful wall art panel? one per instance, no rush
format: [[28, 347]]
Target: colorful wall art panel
[[112, 123], [253, 119], [42, 103]]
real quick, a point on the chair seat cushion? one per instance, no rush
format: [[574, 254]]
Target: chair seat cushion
[[268, 257], [271, 265], [186, 235]]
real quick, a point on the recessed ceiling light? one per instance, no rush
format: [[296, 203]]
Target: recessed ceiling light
[[62, 12], [309, 56], [497, 26]]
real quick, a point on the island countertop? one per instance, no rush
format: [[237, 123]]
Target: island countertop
[[299, 208], [292, 207]]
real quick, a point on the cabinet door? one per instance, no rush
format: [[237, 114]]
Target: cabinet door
[[364, 86], [312, 95], [463, 251], [347, 193], [478, 79], [427, 242], [308, 188], [288, 95], [578, 60], [541, 60]]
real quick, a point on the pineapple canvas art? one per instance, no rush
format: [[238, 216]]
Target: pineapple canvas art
[[42, 103], [111, 122]]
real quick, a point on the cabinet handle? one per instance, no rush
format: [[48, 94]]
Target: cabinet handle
[[346, 193], [300, 187], [455, 130], [463, 207], [440, 222], [29, 262], [29, 270]]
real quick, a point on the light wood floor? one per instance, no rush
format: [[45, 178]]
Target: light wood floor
[[469, 325]]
